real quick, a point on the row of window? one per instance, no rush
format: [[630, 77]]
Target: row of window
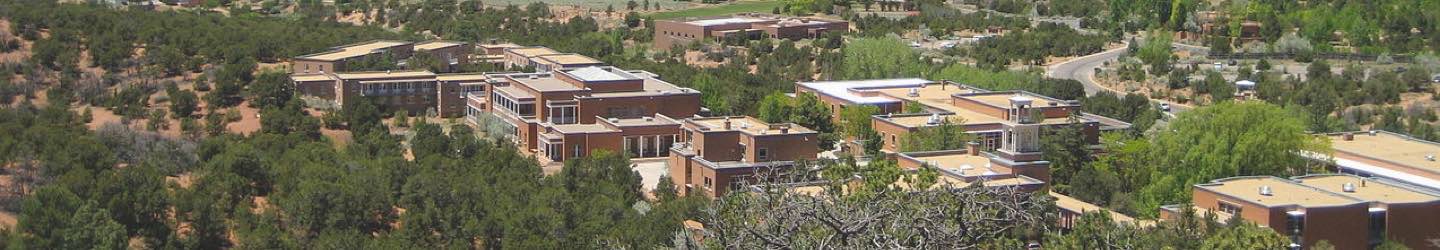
[[562, 115], [518, 108], [679, 34], [649, 146]]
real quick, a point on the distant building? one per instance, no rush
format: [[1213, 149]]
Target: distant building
[[1349, 212], [990, 115], [532, 106], [452, 54], [643, 137], [521, 57], [338, 58], [416, 92], [669, 33], [555, 62], [724, 154]]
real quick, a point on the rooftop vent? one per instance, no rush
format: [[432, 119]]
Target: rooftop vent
[[934, 120], [1265, 190], [533, 76], [1373, 132], [966, 167], [1430, 157], [649, 118], [914, 92], [613, 120], [744, 125], [1348, 187]]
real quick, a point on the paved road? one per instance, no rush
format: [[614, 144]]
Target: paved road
[[1083, 69]]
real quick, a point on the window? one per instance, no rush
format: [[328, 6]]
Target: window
[[762, 154], [1229, 208], [707, 182], [562, 115], [1377, 227], [552, 150], [575, 151]]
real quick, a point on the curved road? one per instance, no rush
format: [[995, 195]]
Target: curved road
[[1082, 69]]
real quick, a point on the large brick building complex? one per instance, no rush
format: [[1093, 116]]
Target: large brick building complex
[[1350, 212], [1384, 154], [529, 105], [993, 116], [680, 32]]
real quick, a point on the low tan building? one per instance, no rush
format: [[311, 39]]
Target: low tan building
[[1399, 212], [723, 154], [450, 53], [669, 33], [555, 62], [416, 92], [516, 58], [1384, 154], [337, 59]]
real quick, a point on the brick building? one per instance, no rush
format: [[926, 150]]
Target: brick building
[[1384, 154], [449, 53], [416, 92], [990, 115], [527, 105], [643, 137], [338, 58], [723, 154], [567, 61], [669, 33], [521, 57], [1349, 212]]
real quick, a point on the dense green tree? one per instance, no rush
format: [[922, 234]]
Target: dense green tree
[[948, 135], [875, 58], [270, 89]]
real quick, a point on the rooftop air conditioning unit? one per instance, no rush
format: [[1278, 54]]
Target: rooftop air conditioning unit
[[1348, 187], [914, 92], [1265, 190]]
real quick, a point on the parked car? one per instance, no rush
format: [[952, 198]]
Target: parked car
[[1165, 107]]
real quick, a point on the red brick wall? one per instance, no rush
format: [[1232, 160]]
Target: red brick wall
[[1414, 224], [1346, 227]]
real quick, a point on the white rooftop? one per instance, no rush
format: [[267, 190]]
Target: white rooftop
[[593, 73], [723, 21], [842, 89]]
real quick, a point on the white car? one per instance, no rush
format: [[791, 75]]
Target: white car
[[1165, 107]]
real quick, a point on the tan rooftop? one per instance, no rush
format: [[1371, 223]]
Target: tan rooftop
[[356, 50], [746, 124], [384, 74], [652, 87], [312, 78], [1393, 148], [582, 128], [545, 84], [640, 122], [569, 59], [1076, 205], [434, 45], [461, 77], [963, 164], [1282, 192], [1002, 99], [1366, 189], [501, 45], [532, 51]]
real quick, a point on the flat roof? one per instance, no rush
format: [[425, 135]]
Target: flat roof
[[1002, 99], [728, 20], [595, 73], [651, 87], [1283, 192], [961, 163], [844, 89], [439, 44], [1390, 147], [1076, 205], [569, 59], [582, 128], [312, 78], [745, 124], [385, 74], [546, 84], [513, 92], [500, 45], [639, 122], [1367, 189], [354, 50], [532, 51], [462, 77]]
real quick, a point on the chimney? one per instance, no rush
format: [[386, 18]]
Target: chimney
[[1349, 136], [727, 123], [974, 148]]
